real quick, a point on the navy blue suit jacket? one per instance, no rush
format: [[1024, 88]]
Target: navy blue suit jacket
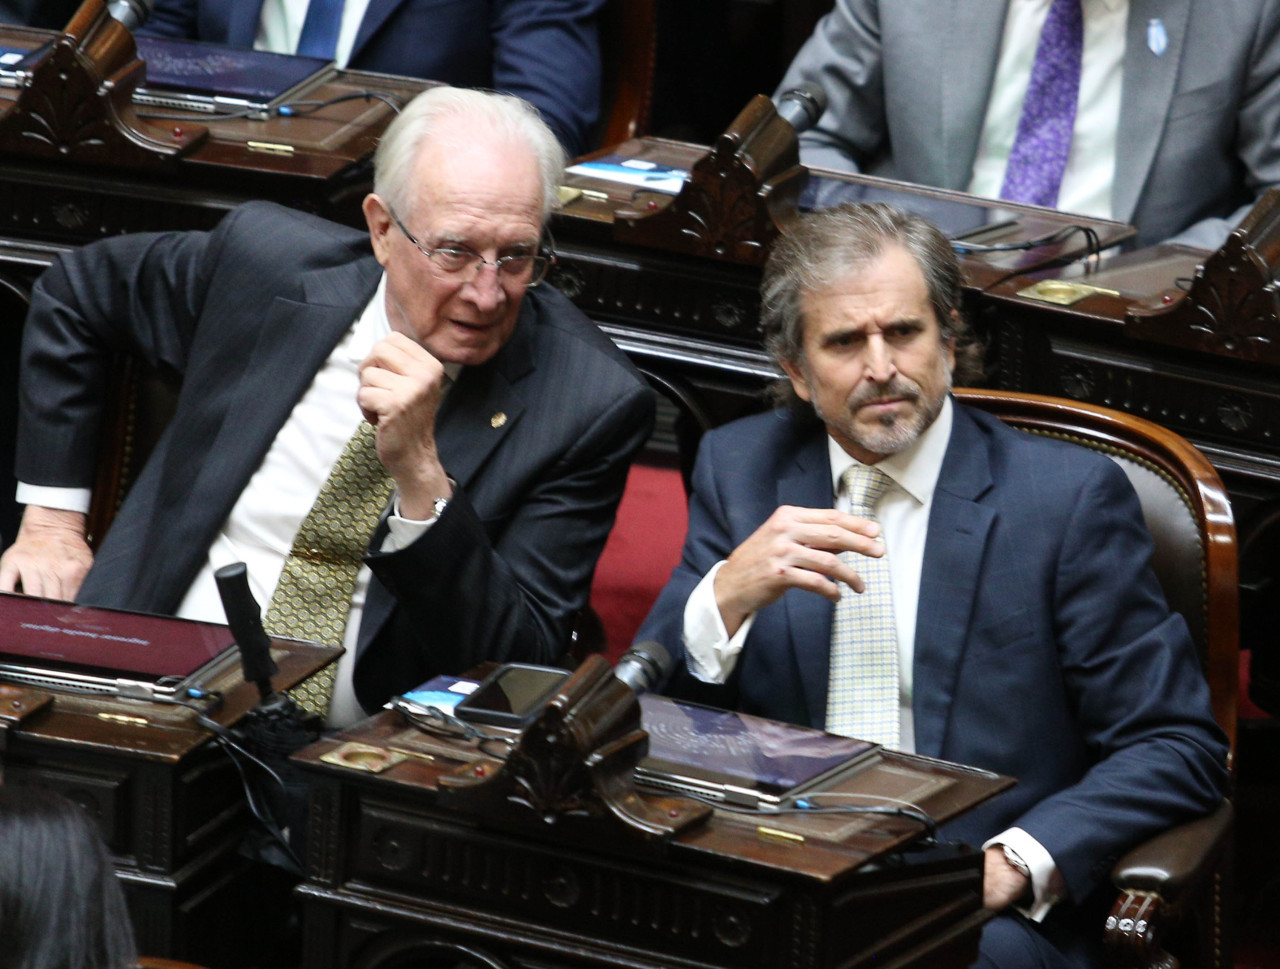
[[1044, 648], [246, 315], [545, 51]]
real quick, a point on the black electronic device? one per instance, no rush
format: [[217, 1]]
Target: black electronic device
[[511, 695], [58, 645]]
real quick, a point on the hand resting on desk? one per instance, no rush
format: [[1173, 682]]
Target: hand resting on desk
[[50, 557]]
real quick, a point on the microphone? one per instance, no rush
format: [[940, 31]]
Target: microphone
[[645, 666], [802, 105], [132, 13], [245, 619]]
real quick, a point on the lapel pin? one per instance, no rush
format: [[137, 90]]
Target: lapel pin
[[498, 419], [1157, 37]]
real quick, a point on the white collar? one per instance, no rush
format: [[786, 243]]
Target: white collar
[[915, 469]]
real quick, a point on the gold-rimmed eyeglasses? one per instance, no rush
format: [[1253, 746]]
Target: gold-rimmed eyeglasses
[[526, 269]]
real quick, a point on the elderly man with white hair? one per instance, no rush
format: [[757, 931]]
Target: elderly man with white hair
[[416, 448]]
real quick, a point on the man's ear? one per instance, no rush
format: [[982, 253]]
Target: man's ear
[[796, 376], [951, 341], [378, 217]]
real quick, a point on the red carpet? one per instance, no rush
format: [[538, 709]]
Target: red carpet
[[640, 554]]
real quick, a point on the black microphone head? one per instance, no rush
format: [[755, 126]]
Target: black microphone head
[[645, 666], [244, 617], [801, 106]]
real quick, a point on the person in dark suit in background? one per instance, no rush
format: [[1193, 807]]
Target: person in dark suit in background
[[47, 14], [1174, 123], [994, 605], [545, 51], [288, 332]]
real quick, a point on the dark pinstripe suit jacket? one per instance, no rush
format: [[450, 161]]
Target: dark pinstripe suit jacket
[[1044, 648], [246, 315]]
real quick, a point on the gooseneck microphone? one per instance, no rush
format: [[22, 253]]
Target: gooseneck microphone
[[645, 666], [245, 619], [802, 105]]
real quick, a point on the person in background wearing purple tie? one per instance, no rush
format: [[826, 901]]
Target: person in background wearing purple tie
[[1162, 113], [990, 604], [545, 51]]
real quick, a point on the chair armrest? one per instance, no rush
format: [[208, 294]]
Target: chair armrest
[[1173, 862], [1160, 887]]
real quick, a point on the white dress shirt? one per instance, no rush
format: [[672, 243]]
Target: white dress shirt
[[1091, 164], [280, 26], [262, 525]]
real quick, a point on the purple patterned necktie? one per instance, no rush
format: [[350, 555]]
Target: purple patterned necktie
[[1039, 154]]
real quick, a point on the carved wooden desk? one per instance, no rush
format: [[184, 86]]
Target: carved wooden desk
[[169, 803], [422, 853]]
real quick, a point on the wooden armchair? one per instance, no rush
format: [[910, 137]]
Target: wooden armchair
[[628, 48], [1172, 905]]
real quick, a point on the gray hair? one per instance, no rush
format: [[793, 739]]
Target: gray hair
[[422, 118], [825, 246]]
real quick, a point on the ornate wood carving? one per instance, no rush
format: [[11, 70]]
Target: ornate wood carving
[[739, 197], [76, 102], [1233, 306], [574, 765]]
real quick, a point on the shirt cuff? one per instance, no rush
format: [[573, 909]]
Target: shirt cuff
[[1046, 880], [403, 532], [710, 652], [62, 499]]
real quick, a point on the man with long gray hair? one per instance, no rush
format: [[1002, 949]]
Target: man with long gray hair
[[377, 423], [879, 561]]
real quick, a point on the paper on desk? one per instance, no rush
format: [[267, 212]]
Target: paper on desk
[[647, 175]]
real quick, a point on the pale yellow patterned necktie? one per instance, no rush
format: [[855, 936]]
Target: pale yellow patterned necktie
[[862, 689], [313, 598]]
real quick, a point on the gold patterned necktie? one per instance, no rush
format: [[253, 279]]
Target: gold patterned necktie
[[862, 689], [313, 598]]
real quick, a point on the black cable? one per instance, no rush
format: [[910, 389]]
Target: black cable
[[1092, 255], [909, 813], [297, 108], [238, 755]]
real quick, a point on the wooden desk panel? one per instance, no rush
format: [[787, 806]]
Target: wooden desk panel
[[169, 803], [394, 873]]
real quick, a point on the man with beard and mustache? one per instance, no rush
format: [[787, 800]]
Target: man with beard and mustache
[[1002, 614]]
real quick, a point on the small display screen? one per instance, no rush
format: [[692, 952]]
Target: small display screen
[[258, 77], [511, 694], [957, 218], [45, 634], [721, 748]]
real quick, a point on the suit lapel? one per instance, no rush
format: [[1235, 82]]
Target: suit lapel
[[808, 485], [480, 410], [963, 85], [949, 578], [484, 406], [1148, 86], [375, 16], [292, 344]]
